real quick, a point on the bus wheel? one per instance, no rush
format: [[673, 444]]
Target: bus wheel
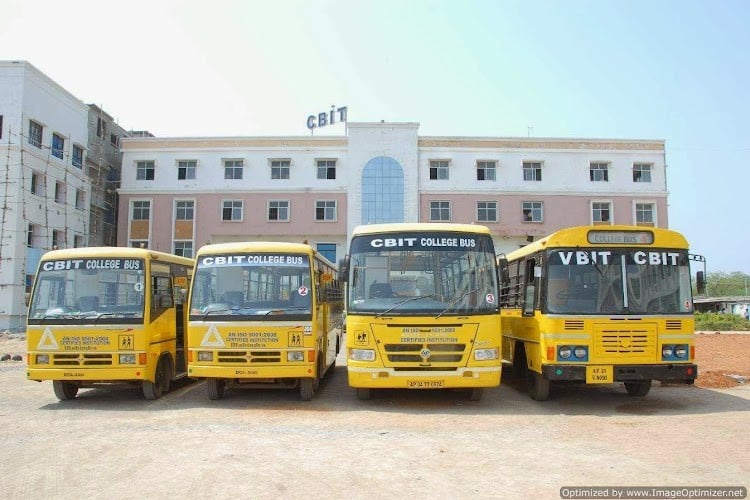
[[638, 388], [363, 394], [216, 387], [160, 385], [476, 394], [306, 388], [538, 386], [64, 390]]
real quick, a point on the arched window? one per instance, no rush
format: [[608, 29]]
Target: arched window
[[382, 191]]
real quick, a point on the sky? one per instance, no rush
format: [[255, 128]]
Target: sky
[[677, 70]]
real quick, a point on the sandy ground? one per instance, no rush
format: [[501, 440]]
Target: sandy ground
[[111, 443]]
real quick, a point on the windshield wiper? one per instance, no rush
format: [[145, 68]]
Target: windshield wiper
[[408, 299], [453, 302]]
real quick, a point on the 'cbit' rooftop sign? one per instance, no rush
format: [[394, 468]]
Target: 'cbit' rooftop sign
[[323, 119]]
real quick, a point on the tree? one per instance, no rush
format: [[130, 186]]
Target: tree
[[723, 284]]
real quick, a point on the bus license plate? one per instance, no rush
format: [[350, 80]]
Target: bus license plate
[[601, 374], [425, 384]]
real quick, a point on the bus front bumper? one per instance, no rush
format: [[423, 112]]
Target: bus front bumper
[[388, 378], [103, 375], [251, 372], [684, 373]]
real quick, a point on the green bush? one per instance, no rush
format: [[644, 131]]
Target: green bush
[[718, 322]]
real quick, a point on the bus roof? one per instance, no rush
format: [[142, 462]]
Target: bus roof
[[419, 226], [577, 236], [261, 246], [116, 252]]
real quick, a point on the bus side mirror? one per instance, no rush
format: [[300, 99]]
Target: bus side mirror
[[700, 282], [344, 270]]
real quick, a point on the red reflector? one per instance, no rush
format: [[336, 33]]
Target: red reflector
[[689, 371], [142, 358], [550, 353], [692, 352], [311, 356]]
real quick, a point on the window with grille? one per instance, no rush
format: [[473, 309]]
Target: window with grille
[[440, 211], [439, 169]]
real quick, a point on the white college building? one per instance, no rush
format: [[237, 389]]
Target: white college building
[[44, 191], [178, 194]]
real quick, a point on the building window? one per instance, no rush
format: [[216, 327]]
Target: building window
[[325, 210], [438, 170], [382, 191], [77, 241], [327, 250], [601, 213], [487, 211], [1, 126], [186, 170], [33, 235], [58, 239], [233, 169], [80, 199], [141, 210], [37, 184], [184, 210], [139, 243], [644, 214], [231, 210], [280, 169], [114, 139], [35, 134], [599, 172], [533, 211], [532, 171], [101, 127], [486, 170], [641, 172], [278, 210], [59, 192], [144, 170], [440, 211], [326, 169], [58, 146], [183, 248], [77, 156]]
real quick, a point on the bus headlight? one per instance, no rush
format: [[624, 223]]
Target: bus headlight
[[564, 352], [667, 351], [127, 359], [295, 356], [362, 355], [581, 352], [205, 356], [42, 359], [486, 354], [681, 351]]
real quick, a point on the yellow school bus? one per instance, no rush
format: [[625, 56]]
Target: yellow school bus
[[599, 304], [104, 315], [422, 308], [263, 314]]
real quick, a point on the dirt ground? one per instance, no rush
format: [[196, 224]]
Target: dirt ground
[[111, 443]]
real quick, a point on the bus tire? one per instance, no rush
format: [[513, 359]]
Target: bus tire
[[538, 386], [306, 389], [64, 390], [363, 394], [160, 385], [215, 388], [476, 394], [638, 388]]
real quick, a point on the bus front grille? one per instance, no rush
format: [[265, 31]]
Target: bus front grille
[[614, 341], [249, 357], [414, 353], [82, 359]]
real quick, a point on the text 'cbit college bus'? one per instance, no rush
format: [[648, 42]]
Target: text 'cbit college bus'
[[263, 314], [105, 315], [422, 308], [599, 304]]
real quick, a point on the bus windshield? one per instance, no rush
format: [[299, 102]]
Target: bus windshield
[[262, 286], [422, 273], [88, 289], [618, 281]]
